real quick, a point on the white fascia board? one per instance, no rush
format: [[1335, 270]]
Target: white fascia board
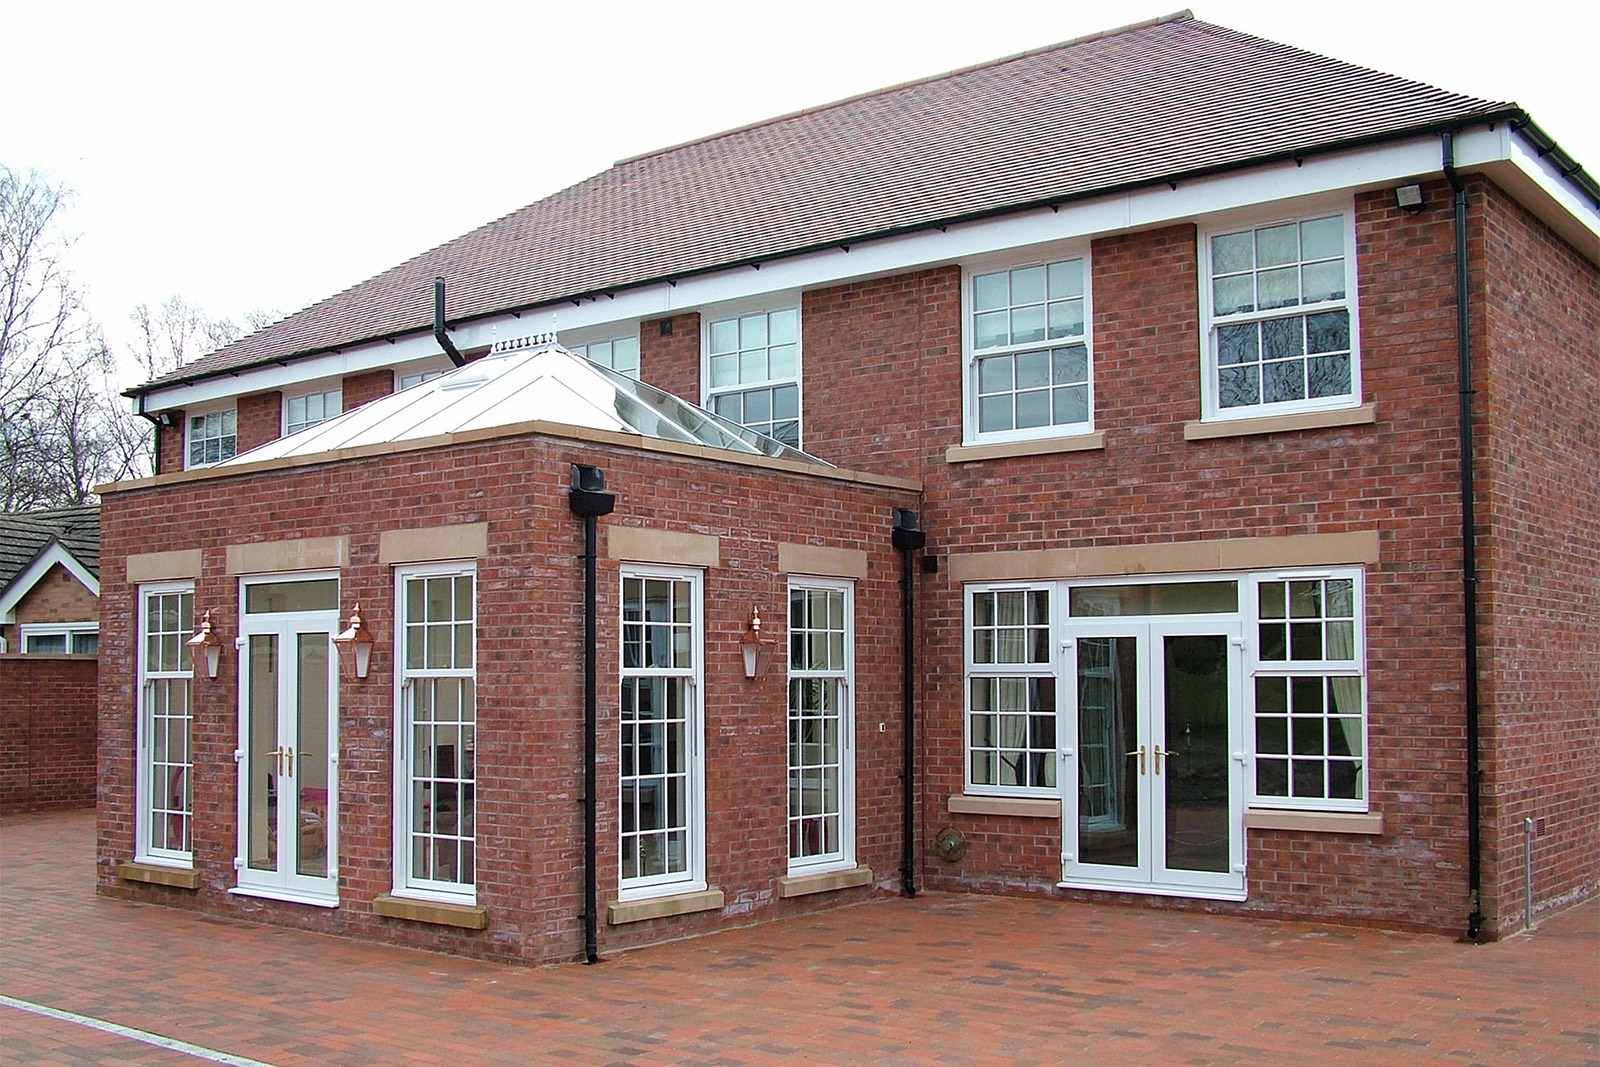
[[1150, 206], [1541, 188], [23, 583]]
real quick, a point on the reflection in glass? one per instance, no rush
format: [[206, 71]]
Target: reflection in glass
[[1194, 771]]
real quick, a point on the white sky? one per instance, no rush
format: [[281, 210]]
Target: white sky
[[268, 155]]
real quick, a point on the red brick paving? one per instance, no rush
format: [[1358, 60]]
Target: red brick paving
[[942, 979]]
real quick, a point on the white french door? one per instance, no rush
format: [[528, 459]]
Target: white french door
[[1152, 755], [288, 740]]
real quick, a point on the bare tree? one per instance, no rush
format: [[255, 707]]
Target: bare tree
[[51, 353], [176, 332], [64, 425]]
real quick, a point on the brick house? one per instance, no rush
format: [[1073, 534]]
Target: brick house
[[1141, 412], [49, 636], [49, 582]]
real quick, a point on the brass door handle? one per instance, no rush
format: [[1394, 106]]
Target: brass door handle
[[1159, 753], [1140, 753]]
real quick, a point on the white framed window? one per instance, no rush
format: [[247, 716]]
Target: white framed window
[[1011, 691], [310, 409], [406, 381], [165, 763], [752, 370], [821, 724], [1029, 370], [1307, 691], [661, 778], [1279, 321], [60, 638], [621, 354], [436, 733], [212, 437]]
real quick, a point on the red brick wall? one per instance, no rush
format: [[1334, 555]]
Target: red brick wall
[[1539, 466], [170, 444], [883, 391], [47, 732], [672, 361], [882, 372], [260, 420], [529, 753], [360, 388]]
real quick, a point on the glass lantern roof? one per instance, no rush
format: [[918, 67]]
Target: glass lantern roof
[[542, 382]]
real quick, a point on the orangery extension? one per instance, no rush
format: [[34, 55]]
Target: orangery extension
[[1156, 468]]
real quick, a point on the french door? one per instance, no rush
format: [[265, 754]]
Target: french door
[[1153, 762], [288, 740]]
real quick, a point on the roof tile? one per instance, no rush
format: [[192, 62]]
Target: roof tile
[[1146, 104]]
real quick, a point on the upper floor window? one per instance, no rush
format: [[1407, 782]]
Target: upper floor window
[[753, 371], [1028, 351], [621, 354], [310, 409], [213, 437], [1280, 330], [408, 380]]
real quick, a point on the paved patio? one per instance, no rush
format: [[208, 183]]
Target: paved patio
[[938, 980]]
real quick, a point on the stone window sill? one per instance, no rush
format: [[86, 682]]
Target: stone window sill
[[619, 912], [463, 916], [155, 874], [1324, 822], [1310, 420], [1088, 442], [801, 885], [1021, 807]]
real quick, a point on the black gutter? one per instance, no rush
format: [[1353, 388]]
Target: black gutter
[[1469, 540], [1513, 116], [589, 500], [1546, 148], [908, 538], [439, 335]]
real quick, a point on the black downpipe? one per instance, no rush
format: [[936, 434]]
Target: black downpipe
[[439, 335], [155, 438], [589, 501], [1469, 543], [908, 538]]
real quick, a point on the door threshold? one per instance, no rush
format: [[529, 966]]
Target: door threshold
[[285, 895], [1145, 890]]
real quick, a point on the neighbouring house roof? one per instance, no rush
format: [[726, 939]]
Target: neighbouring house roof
[[1155, 102], [32, 542], [541, 382]]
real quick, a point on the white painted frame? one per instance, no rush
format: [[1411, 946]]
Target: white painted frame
[[780, 302], [335, 392], [1256, 667], [610, 335], [67, 630], [971, 356], [972, 669], [285, 884], [405, 885], [845, 679], [144, 785], [694, 878], [1235, 222], [189, 417]]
